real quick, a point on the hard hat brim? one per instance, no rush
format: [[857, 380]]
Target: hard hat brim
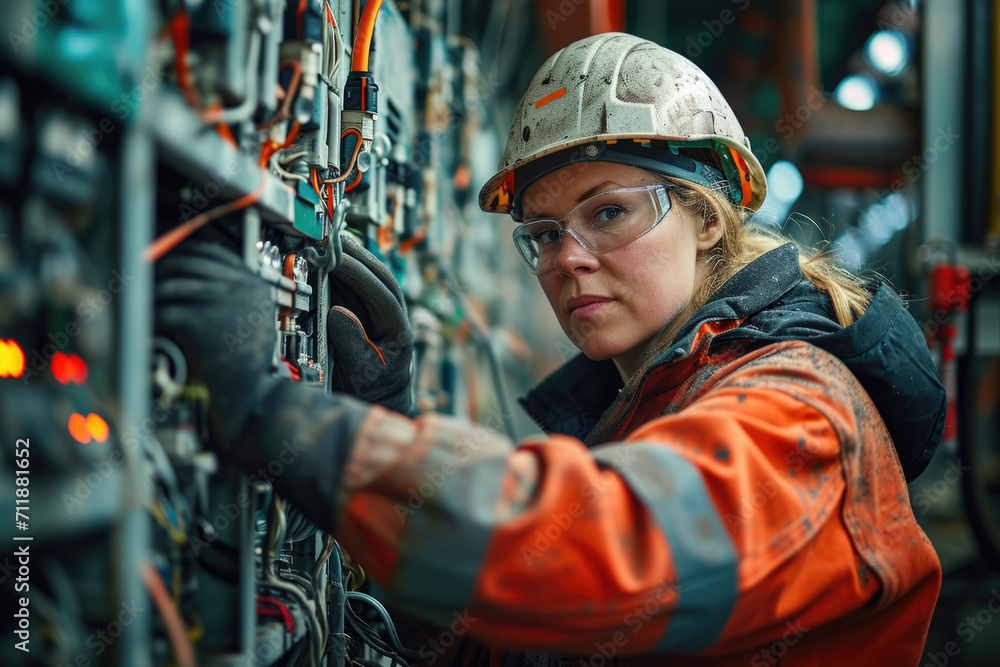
[[498, 194]]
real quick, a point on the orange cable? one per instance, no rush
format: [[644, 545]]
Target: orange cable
[[408, 244], [272, 147], [176, 630], [170, 240], [363, 40], [226, 134], [357, 179]]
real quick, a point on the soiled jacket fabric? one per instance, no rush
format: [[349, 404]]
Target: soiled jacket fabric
[[739, 501]]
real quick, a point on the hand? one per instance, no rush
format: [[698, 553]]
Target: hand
[[371, 342], [222, 316]]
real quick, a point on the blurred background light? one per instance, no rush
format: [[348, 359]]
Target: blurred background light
[[784, 181], [784, 187], [858, 92], [888, 52], [11, 359]]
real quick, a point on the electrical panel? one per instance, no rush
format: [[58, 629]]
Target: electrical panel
[[128, 129]]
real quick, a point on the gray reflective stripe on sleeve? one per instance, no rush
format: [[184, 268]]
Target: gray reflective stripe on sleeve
[[674, 491], [445, 541]]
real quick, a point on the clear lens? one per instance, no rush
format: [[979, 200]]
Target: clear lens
[[603, 222]]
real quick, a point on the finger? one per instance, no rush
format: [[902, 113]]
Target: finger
[[337, 321], [360, 254], [383, 313]]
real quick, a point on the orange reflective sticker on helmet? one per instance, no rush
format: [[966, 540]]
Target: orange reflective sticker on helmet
[[741, 164], [505, 191], [550, 97]]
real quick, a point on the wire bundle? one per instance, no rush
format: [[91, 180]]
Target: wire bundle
[[393, 649]]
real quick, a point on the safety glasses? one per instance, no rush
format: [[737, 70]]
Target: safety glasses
[[603, 222]]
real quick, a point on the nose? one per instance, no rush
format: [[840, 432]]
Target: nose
[[573, 257]]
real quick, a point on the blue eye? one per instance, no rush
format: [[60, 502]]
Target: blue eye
[[608, 213], [545, 236]]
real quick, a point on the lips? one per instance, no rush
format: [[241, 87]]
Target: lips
[[585, 304]]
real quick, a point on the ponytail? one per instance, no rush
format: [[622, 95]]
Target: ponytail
[[743, 241]]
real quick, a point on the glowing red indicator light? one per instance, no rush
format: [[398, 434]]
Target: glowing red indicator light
[[69, 368]]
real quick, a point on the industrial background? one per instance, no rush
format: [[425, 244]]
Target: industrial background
[[129, 125]]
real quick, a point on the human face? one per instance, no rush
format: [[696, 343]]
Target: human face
[[614, 304]]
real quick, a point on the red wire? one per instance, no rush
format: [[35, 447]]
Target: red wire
[[180, 28], [281, 611], [299, 15]]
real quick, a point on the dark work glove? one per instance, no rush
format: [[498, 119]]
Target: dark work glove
[[223, 317], [371, 342]]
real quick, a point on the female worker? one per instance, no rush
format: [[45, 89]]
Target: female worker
[[724, 475]]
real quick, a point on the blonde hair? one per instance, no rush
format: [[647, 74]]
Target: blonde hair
[[743, 241]]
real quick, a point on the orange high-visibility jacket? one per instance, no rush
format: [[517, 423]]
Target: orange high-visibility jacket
[[740, 501]]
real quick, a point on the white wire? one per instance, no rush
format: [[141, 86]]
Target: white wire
[[340, 53], [286, 174]]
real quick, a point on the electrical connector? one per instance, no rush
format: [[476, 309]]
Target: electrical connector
[[361, 106]]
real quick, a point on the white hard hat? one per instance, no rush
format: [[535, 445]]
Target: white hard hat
[[618, 98]]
